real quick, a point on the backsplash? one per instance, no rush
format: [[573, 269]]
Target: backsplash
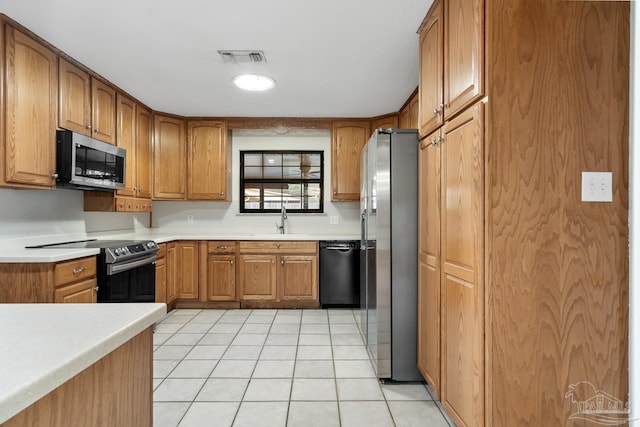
[[41, 212], [224, 216]]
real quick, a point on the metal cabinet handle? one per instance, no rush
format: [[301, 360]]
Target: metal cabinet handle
[[54, 175], [282, 262], [222, 193], [222, 248], [273, 262], [78, 270], [88, 126], [435, 111], [97, 288], [231, 262]]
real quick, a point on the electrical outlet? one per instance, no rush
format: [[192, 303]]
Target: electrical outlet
[[189, 219], [597, 187], [334, 220]]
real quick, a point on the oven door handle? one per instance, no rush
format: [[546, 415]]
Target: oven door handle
[[125, 266]]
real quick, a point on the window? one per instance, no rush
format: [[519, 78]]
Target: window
[[272, 179]]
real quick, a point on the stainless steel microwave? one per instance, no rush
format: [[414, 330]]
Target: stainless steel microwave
[[85, 163]]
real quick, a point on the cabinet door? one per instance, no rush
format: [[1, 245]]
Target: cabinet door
[[462, 267], [430, 95], [81, 292], [404, 118], [143, 152], [172, 292], [221, 277], [463, 54], [348, 139], [257, 277], [161, 280], [30, 113], [207, 161], [429, 261], [103, 111], [385, 122], [188, 270], [126, 138], [169, 166], [298, 277], [74, 99]]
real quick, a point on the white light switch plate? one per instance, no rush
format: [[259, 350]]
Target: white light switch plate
[[334, 219], [597, 187]]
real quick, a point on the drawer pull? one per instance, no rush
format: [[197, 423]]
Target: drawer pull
[[281, 262], [231, 262], [222, 248], [78, 270]]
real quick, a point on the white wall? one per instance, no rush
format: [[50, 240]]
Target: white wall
[[39, 212], [225, 216]]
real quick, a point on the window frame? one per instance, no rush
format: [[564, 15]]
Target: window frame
[[302, 181]]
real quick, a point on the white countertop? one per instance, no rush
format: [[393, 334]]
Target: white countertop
[[44, 345], [14, 251]]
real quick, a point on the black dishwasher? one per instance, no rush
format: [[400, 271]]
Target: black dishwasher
[[340, 273]]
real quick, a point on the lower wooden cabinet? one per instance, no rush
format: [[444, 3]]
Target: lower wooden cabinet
[[67, 281], [75, 281], [278, 271], [187, 264], [161, 274], [257, 277], [81, 292], [171, 267], [298, 277], [219, 275]]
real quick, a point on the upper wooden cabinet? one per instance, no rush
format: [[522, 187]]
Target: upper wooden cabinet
[[86, 105], [386, 122], [103, 111], [27, 146], [134, 135], [408, 116], [208, 161], [169, 163], [430, 93], [126, 109], [347, 140], [451, 61], [144, 137], [463, 54], [74, 102]]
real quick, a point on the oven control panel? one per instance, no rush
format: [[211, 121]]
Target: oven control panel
[[123, 253]]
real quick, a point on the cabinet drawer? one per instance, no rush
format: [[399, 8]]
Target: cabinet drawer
[[72, 271], [221, 247], [278, 247]]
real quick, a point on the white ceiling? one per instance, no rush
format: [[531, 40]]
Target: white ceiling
[[330, 58]]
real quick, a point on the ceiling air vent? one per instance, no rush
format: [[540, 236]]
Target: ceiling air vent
[[242, 56]]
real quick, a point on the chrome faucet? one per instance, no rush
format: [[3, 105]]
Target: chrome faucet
[[283, 216]]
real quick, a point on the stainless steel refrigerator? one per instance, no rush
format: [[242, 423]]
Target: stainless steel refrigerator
[[389, 253]]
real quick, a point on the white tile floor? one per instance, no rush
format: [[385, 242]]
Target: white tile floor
[[275, 368]]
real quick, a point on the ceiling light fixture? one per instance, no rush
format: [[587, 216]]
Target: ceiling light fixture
[[254, 82]]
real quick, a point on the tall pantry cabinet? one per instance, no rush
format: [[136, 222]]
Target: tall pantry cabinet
[[523, 287]]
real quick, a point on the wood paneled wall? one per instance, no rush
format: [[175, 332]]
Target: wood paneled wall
[[557, 267]]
